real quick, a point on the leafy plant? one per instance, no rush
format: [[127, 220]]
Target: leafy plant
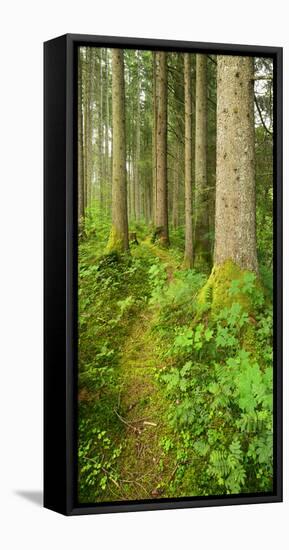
[[224, 404]]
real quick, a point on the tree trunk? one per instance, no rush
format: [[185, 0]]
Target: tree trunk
[[188, 258], [80, 146], [118, 240], [201, 245], [84, 125], [154, 142], [138, 190], [235, 221], [107, 175], [161, 148], [100, 135], [88, 138], [133, 209], [176, 185]]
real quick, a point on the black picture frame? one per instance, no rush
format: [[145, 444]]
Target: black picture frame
[[60, 274]]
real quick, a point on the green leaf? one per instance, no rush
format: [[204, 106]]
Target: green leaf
[[208, 334]]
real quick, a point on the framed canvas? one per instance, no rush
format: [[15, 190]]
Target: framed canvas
[[163, 274]]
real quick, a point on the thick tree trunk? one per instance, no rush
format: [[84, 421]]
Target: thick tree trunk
[[188, 258], [161, 148], [201, 242], [119, 231], [235, 222], [80, 146]]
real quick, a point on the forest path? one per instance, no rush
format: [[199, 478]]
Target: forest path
[[145, 471]]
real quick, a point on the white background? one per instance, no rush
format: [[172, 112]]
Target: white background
[[24, 26]]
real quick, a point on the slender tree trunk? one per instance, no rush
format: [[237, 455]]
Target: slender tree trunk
[[134, 190], [176, 194], [100, 135], [188, 258], [133, 212], [80, 146], [201, 246], [235, 221], [148, 200], [138, 200], [88, 137], [84, 126], [119, 232], [161, 149], [93, 123], [128, 184], [107, 158]]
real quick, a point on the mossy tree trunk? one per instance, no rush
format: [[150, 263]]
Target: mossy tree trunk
[[235, 219], [188, 258], [161, 148], [118, 240], [202, 257]]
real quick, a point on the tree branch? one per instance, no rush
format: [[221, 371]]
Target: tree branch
[[261, 117]]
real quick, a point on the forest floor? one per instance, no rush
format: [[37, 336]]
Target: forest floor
[[162, 410], [144, 471]]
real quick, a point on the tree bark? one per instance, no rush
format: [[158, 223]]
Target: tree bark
[[107, 175], [176, 185], [118, 240], [80, 146], [235, 221], [84, 125], [138, 187], [201, 245], [100, 134], [188, 258], [154, 142], [88, 137], [161, 148]]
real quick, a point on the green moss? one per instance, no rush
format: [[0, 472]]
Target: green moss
[[115, 242], [215, 293], [249, 339]]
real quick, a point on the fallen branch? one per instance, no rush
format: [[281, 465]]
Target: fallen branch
[[150, 423], [129, 424]]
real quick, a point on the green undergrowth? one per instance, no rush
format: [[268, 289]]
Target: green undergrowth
[[114, 293], [175, 373], [215, 343], [113, 290]]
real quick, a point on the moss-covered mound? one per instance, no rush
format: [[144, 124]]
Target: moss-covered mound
[[220, 292]]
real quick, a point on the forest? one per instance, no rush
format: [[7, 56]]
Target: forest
[[175, 283]]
